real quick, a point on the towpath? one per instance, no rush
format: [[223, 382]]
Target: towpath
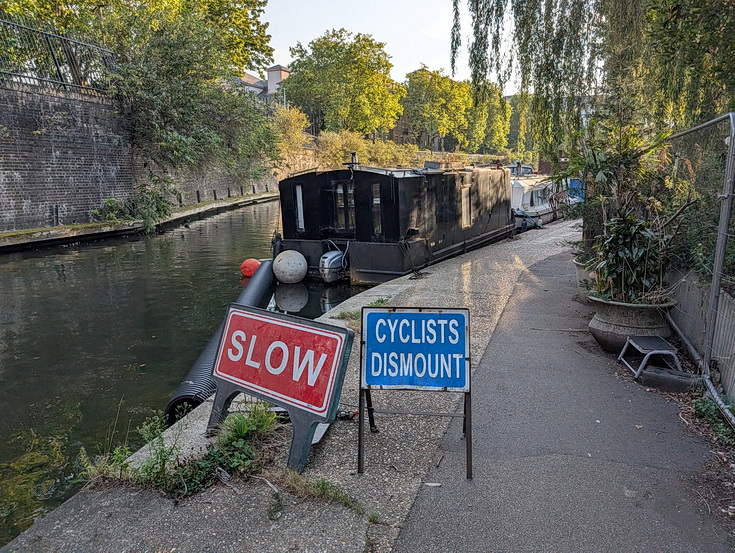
[[570, 455]]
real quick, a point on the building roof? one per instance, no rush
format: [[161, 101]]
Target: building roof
[[279, 68]]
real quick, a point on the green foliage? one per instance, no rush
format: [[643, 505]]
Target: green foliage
[[163, 457], [335, 149], [236, 453], [346, 77], [174, 60], [707, 410], [691, 41], [258, 420], [435, 104], [556, 47], [290, 124], [630, 261], [150, 203]]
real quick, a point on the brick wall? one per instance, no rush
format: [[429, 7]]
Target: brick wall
[[210, 183], [61, 155]]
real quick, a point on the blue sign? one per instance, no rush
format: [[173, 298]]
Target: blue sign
[[416, 349]]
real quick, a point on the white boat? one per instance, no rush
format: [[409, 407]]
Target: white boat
[[536, 200]]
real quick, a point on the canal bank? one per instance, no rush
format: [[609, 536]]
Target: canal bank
[[96, 336], [53, 236], [570, 454]]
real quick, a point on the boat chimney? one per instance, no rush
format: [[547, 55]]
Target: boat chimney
[[354, 159]]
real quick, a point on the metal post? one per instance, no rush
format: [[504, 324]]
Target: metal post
[[720, 249], [360, 431], [468, 432]]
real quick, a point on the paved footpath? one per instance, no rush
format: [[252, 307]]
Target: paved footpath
[[568, 456]]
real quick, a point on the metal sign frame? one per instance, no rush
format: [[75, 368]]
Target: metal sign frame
[[333, 341], [418, 349]]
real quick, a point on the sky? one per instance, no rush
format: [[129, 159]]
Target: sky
[[414, 31]]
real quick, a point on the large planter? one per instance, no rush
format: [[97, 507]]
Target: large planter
[[582, 275], [614, 321]]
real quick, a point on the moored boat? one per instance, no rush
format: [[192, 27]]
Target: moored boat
[[371, 225], [536, 201]]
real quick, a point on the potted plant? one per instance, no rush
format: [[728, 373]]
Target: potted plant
[[631, 216]]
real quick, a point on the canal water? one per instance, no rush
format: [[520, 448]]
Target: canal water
[[95, 338]]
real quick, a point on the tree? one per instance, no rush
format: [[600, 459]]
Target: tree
[[675, 56], [347, 78], [436, 105], [242, 37], [557, 52], [173, 63], [290, 126]]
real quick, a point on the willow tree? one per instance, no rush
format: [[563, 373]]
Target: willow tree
[[671, 59], [562, 53]]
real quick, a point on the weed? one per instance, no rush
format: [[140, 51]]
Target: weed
[[374, 518], [163, 456], [348, 316], [707, 410], [379, 302], [236, 453], [321, 489]]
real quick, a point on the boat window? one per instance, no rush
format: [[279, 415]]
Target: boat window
[[466, 207], [345, 197], [299, 207], [377, 220]]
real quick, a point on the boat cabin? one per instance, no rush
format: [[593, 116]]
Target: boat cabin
[[371, 225]]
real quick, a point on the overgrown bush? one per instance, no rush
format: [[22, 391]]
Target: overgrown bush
[[149, 203], [335, 149]]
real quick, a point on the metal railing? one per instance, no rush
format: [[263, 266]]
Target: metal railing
[[35, 58]]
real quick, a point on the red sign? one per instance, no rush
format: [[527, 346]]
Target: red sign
[[281, 359]]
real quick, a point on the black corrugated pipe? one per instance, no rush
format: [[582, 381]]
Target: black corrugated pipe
[[199, 384]]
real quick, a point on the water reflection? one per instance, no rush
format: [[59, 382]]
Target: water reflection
[[95, 338]]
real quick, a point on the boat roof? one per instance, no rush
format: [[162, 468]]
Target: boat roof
[[535, 181], [402, 172]]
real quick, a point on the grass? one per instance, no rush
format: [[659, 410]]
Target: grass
[[321, 489], [242, 449], [707, 410], [356, 315]]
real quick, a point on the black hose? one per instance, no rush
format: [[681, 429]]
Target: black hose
[[199, 383]]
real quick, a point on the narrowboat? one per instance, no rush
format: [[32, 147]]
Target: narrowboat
[[370, 225], [537, 201]]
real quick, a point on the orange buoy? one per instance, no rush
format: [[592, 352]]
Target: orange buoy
[[249, 266]]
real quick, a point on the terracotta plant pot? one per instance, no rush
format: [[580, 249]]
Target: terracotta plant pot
[[614, 321]]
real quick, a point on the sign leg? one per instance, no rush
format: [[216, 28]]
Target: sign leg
[[468, 431], [360, 432], [371, 412], [303, 432], [222, 401]]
